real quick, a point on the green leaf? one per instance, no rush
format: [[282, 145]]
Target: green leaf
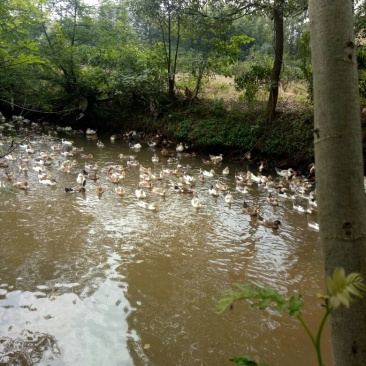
[[341, 287], [244, 360], [263, 297]]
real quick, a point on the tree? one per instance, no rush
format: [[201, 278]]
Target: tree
[[211, 49], [166, 16], [19, 49], [278, 57], [276, 10], [91, 55], [60, 44], [304, 62], [339, 164]]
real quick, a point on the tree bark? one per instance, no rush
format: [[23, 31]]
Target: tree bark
[[278, 59], [339, 165]]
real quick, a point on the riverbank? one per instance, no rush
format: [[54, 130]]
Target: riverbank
[[213, 126], [241, 132]]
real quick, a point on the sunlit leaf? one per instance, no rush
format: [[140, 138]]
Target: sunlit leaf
[[341, 287], [263, 298]]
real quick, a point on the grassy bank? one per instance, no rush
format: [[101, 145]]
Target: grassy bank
[[235, 129], [219, 121]]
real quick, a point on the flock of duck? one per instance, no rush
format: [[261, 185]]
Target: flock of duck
[[25, 155]]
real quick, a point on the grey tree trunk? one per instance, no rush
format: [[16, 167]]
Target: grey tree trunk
[[339, 165]]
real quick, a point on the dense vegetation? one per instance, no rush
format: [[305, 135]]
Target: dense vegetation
[[146, 64]]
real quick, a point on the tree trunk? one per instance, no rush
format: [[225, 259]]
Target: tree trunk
[[278, 59], [339, 165], [171, 88]]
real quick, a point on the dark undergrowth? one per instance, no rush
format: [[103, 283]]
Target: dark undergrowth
[[212, 126]]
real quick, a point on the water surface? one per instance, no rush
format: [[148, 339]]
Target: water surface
[[97, 280]]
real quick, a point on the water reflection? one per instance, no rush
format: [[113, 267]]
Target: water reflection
[[114, 284]]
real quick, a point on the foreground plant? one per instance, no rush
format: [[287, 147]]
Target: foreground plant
[[342, 289]]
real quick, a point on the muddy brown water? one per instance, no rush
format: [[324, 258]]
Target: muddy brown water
[[88, 280]]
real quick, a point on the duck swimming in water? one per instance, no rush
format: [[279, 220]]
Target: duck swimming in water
[[160, 191], [273, 201], [180, 147], [140, 193], [229, 198], [196, 203], [100, 189], [155, 159], [208, 174], [216, 158], [226, 171], [120, 191], [212, 191], [250, 210], [67, 142], [270, 224], [148, 206], [21, 185], [77, 189]]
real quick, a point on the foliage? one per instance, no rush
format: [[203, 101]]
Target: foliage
[[217, 124], [360, 29], [360, 20], [19, 48], [264, 297], [260, 29], [18, 32], [252, 75], [361, 61], [342, 290], [165, 19], [304, 62], [55, 54]]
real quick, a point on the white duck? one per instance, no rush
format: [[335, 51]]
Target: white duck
[[213, 192], [242, 189], [67, 142], [196, 203], [135, 146], [217, 158], [148, 206], [89, 131], [229, 198], [48, 181], [140, 193], [80, 178], [208, 174], [289, 173], [30, 149], [302, 209], [155, 159], [313, 225], [120, 191], [180, 147]]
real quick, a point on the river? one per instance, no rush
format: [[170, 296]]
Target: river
[[88, 279]]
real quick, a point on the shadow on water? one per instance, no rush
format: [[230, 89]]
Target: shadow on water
[[28, 349], [90, 279]]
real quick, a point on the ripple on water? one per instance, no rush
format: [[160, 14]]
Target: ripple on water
[[119, 285]]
